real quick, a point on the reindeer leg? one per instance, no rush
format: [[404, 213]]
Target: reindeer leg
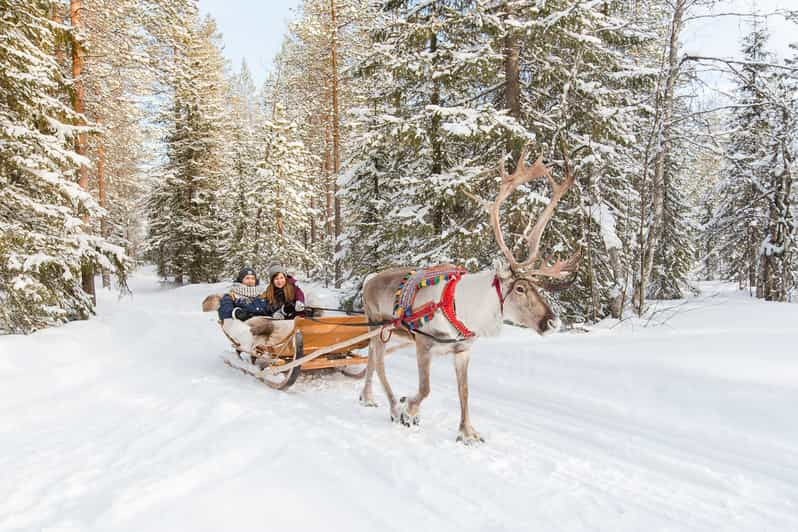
[[379, 361], [367, 396], [408, 409], [467, 434]]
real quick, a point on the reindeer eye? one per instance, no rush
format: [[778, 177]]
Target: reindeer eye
[[520, 289]]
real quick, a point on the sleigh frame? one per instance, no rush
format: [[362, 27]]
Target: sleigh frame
[[311, 344]]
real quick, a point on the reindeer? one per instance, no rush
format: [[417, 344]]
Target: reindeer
[[483, 301]]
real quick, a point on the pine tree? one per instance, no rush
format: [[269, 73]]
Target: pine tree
[[591, 74], [675, 259], [43, 243], [117, 75], [279, 197], [313, 83]]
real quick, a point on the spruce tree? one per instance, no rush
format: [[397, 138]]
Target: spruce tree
[[188, 230], [245, 151], [278, 198], [447, 101], [741, 214]]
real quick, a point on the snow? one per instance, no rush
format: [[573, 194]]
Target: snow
[[605, 219], [130, 421]]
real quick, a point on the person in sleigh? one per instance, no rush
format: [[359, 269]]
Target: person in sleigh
[[283, 299], [251, 316], [245, 299]]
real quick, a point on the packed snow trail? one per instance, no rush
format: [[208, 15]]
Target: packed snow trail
[[130, 421]]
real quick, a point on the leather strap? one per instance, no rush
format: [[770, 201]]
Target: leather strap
[[498, 286]]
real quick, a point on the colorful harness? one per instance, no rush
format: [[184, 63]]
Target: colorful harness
[[415, 280], [408, 289]]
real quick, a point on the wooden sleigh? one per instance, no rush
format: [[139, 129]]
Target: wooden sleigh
[[306, 344]]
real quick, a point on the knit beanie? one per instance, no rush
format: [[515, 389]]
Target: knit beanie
[[274, 269], [244, 272]]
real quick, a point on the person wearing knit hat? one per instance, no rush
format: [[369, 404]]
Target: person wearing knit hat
[[284, 294], [247, 276], [245, 299]]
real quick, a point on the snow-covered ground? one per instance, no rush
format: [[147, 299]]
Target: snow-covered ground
[[131, 422]]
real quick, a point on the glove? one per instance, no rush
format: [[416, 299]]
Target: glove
[[299, 306], [289, 310], [241, 314]]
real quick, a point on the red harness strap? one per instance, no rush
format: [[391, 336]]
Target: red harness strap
[[498, 286], [446, 305]]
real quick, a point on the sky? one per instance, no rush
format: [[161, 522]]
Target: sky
[[254, 29], [720, 37], [251, 30]]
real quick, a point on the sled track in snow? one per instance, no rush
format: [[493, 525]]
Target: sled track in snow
[[129, 422]]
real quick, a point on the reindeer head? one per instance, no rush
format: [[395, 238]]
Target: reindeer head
[[520, 281]]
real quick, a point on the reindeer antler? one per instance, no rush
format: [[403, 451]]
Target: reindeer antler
[[523, 174], [559, 268]]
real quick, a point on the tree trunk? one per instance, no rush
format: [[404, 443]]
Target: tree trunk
[[328, 222], [786, 222], [328, 209], [752, 262], [617, 301], [650, 245], [512, 80], [775, 264], [336, 141], [57, 16], [87, 271], [435, 139], [106, 276], [312, 222]]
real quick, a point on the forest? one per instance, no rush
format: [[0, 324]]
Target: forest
[[127, 138]]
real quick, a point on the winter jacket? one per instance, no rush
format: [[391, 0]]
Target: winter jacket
[[278, 298], [279, 294], [257, 306]]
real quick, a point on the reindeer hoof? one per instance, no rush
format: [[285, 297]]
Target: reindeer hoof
[[470, 438], [370, 403], [402, 416], [408, 420]]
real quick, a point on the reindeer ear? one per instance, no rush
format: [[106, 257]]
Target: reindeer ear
[[502, 269]]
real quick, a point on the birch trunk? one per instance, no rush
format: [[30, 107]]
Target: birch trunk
[[662, 150], [775, 264]]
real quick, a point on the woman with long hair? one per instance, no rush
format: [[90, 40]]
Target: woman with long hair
[[285, 298]]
